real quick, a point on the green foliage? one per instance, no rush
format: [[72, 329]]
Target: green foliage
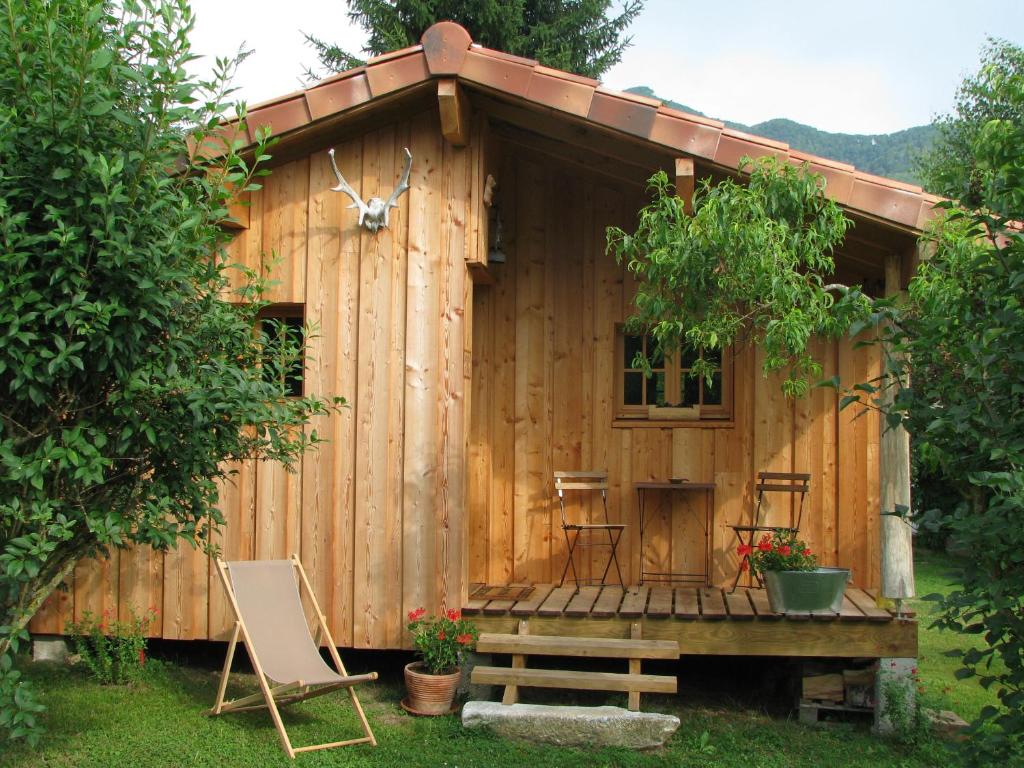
[[895, 155], [953, 167], [908, 723], [960, 340], [748, 265], [575, 35], [113, 651], [128, 381], [443, 640], [779, 551]]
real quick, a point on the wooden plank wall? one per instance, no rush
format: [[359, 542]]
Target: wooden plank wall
[[543, 389], [376, 512]]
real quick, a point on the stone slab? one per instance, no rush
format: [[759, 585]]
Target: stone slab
[[572, 726]]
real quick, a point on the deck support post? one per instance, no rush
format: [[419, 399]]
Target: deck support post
[[895, 694], [895, 531]]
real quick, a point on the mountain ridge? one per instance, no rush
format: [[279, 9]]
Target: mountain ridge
[[892, 155]]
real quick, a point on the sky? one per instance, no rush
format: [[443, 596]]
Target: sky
[[861, 66]]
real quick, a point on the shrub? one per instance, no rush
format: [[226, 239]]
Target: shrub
[[114, 651]]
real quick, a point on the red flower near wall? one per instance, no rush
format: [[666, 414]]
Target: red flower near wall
[[765, 544], [418, 614], [744, 549]]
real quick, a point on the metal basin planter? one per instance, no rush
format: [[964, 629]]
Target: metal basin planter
[[802, 591]]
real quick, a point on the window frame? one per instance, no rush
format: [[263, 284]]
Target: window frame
[[673, 383]]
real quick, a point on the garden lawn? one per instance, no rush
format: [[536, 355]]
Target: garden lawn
[[160, 722], [941, 688]]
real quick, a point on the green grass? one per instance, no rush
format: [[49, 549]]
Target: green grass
[[942, 689], [160, 723]]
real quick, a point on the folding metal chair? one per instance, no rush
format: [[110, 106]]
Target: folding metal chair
[[264, 595], [588, 482], [771, 482]]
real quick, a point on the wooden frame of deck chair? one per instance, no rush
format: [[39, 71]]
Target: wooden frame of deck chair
[[265, 596]]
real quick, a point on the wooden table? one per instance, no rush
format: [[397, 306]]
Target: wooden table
[[668, 576]]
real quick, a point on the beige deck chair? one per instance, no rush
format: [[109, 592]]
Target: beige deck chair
[[264, 595]]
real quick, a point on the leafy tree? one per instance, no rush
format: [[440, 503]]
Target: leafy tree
[[752, 262], [127, 379], [749, 265], [575, 35], [962, 334], [953, 168]]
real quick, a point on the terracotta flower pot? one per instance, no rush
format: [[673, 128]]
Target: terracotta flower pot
[[430, 694]]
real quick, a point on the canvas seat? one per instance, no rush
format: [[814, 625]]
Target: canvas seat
[[272, 623]]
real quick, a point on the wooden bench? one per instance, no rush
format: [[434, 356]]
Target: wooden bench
[[524, 644]]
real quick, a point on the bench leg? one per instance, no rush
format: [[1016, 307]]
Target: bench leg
[[511, 695], [635, 633]]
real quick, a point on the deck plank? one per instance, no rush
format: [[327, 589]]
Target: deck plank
[[907, 611], [712, 604], [583, 601], [763, 609], [860, 598], [739, 605], [498, 607], [557, 600], [634, 602], [473, 607], [851, 612], [608, 603], [687, 604], [660, 604], [529, 606]]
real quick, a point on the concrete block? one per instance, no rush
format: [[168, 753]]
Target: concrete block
[[49, 648]]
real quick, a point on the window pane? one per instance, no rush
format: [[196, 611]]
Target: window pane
[[714, 357], [689, 355], [713, 392], [630, 346], [690, 390], [633, 389], [656, 389], [284, 336], [657, 358]]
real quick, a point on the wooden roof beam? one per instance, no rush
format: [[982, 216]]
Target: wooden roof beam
[[455, 112], [685, 182]]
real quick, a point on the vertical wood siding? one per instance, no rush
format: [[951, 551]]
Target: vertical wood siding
[[543, 394], [415, 494], [377, 511]]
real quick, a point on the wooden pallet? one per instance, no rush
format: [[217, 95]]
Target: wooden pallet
[[523, 645], [810, 710]]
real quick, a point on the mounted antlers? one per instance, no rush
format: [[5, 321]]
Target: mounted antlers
[[373, 214]]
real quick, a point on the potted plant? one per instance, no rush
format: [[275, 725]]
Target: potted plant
[[441, 643], [792, 577]]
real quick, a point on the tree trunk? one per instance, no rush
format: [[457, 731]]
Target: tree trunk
[[31, 599], [897, 543]]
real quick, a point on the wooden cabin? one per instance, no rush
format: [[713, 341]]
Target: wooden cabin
[[479, 341]]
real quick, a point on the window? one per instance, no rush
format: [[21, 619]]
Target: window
[[670, 386], [282, 326]]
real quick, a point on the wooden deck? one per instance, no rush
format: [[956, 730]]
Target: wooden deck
[[704, 621]]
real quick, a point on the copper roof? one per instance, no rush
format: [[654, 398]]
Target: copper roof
[[446, 50]]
